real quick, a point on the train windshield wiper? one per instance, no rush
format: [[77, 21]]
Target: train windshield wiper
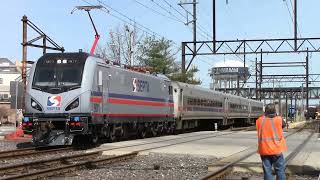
[[55, 88], [74, 87], [37, 88]]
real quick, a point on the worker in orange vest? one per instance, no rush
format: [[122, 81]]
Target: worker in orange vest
[[271, 143]]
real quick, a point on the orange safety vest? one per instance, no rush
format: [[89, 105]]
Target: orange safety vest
[[270, 136]]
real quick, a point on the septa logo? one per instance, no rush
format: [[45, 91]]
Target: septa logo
[[134, 83], [54, 101]]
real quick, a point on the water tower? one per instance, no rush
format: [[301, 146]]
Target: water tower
[[228, 74]]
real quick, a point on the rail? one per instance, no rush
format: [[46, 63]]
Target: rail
[[26, 152], [62, 168], [226, 169]]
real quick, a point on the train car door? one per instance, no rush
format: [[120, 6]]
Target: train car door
[[226, 108], [249, 109]]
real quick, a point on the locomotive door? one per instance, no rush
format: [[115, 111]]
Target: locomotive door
[[105, 83], [103, 89], [100, 89]]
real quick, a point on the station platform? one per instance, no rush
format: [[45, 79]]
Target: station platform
[[4, 130], [227, 144], [11, 133], [305, 163]]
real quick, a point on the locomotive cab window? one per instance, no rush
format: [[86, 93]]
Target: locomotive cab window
[[56, 74]]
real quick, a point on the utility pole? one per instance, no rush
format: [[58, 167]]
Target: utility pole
[[307, 79], [48, 44], [24, 57], [295, 25], [130, 44], [214, 25], [194, 27], [194, 21]]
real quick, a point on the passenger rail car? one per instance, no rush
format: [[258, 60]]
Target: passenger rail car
[[74, 96], [195, 106]]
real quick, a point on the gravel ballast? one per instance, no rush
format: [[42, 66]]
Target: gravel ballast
[[152, 166]]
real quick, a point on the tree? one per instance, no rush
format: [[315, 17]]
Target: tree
[[127, 46], [121, 46], [159, 55], [186, 78]]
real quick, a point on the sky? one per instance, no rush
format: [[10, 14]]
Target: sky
[[237, 19]]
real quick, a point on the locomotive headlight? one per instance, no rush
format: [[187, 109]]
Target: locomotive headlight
[[73, 105], [35, 105]]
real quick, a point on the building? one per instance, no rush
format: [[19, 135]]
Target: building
[[8, 72]]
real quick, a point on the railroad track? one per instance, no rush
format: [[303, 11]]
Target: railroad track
[[27, 152], [226, 164], [75, 162]]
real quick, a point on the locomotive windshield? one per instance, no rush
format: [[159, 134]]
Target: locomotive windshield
[[56, 75]]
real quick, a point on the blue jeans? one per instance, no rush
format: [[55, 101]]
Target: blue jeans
[[277, 161]]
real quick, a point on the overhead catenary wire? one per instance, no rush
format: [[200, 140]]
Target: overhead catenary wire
[[165, 9], [203, 33], [139, 26], [291, 14], [145, 29], [130, 21], [201, 30], [157, 12], [174, 8]]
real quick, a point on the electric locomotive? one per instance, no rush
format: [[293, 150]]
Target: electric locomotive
[[77, 97]]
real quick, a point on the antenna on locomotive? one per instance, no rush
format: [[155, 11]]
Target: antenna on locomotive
[[88, 9]]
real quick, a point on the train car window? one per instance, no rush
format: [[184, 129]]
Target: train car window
[[170, 90], [100, 78]]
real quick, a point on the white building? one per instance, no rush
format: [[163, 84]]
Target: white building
[[8, 72]]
